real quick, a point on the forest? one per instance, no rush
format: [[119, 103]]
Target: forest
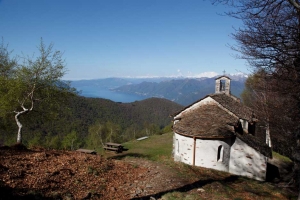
[[38, 108], [90, 122]]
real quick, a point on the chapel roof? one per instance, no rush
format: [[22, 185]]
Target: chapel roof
[[222, 77], [233, 105], [229, 102], [209, 121]]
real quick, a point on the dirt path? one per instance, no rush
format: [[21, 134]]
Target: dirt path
[[157, 179]]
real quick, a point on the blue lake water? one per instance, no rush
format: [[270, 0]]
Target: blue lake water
[[104, 93]]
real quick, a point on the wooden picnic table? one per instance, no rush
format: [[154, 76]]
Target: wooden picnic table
[[113, 147]]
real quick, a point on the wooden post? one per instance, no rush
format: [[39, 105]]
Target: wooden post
[[194, 151]]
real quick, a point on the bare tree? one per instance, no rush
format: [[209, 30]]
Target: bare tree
[[276, 112], [270, 40]]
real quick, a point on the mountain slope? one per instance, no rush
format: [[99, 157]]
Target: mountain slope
[[182, 91], [151, 111], [83, 112]]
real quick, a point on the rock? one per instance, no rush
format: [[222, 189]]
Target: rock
[[132, 191], [138, 191], [200, 190], [133, 196]]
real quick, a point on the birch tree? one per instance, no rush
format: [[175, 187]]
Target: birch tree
[[35, 82], [94, 140]]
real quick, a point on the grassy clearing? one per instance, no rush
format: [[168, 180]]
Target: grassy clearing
[[156, 147], [205, 183]]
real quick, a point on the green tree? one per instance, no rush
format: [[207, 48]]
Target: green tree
[[112, 132], [167, 128], [71, 141], [7, 64], [36, 140], [52, 141], [94, 139], [131, 132], [7, 68], [34, 83]]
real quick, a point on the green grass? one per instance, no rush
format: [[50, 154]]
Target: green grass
[[281, 157], [155, 147]]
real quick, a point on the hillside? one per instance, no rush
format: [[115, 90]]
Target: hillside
[[145, 171], [149, 111], [126, 120]]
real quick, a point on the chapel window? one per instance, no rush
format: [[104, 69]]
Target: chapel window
[[222, 85], [251, 128], [220, 154]]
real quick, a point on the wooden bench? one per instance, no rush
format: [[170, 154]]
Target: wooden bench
[[110, 148], [86, 151], [113, 147]]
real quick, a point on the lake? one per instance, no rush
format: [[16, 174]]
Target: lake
[[90, 91]]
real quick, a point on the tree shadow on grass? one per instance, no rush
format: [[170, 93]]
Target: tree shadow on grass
[[202, 183], [188, 187]]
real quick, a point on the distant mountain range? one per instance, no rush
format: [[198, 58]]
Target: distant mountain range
[[181, 90]]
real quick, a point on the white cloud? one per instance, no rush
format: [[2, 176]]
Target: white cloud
[[204, 74]]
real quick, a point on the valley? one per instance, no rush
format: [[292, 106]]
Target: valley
[[181, 90]]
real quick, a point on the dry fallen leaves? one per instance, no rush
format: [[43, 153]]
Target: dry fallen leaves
[[77, 175]]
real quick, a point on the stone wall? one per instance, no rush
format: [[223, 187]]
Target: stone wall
[[214, 154], [233, 156], [183, 149], [246, 161]]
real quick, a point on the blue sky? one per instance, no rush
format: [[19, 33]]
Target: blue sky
[[120, 38]]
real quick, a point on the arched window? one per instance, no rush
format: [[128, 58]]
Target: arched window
[[222, 85], [251, 128], [220, 154]]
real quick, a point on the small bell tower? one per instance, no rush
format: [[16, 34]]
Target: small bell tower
[[223, 85]]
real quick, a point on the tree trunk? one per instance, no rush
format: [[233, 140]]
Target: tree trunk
[[297, 150], [18, 114], [268, 137], [19, 136]]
